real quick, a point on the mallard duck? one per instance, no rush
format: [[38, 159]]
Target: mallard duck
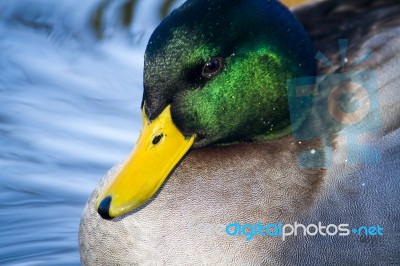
[[222, 144]]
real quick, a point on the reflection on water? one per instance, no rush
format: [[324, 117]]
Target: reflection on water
[[70, 90]]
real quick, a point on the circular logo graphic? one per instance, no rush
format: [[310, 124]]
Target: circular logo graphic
[[348, 103]]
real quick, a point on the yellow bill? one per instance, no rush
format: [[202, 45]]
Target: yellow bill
[[159, 149]]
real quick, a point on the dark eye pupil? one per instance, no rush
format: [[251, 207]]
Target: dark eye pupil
[[212, 67]]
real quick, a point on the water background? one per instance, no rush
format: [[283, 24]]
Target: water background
[[70, 92]]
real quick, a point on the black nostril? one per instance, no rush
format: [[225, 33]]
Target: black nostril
[[157, 139], [104, 208]]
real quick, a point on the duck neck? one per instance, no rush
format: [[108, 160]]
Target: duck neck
[[278, 133]]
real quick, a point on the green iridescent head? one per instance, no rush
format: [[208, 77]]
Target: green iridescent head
[[222, 65]]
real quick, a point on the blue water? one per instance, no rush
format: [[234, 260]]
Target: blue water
[[70, 93]]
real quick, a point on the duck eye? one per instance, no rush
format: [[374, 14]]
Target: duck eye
[[213, 67]]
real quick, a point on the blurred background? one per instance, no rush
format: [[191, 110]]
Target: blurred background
[[70, 92]]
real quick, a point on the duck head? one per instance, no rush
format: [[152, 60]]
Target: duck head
[[215, 72]]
